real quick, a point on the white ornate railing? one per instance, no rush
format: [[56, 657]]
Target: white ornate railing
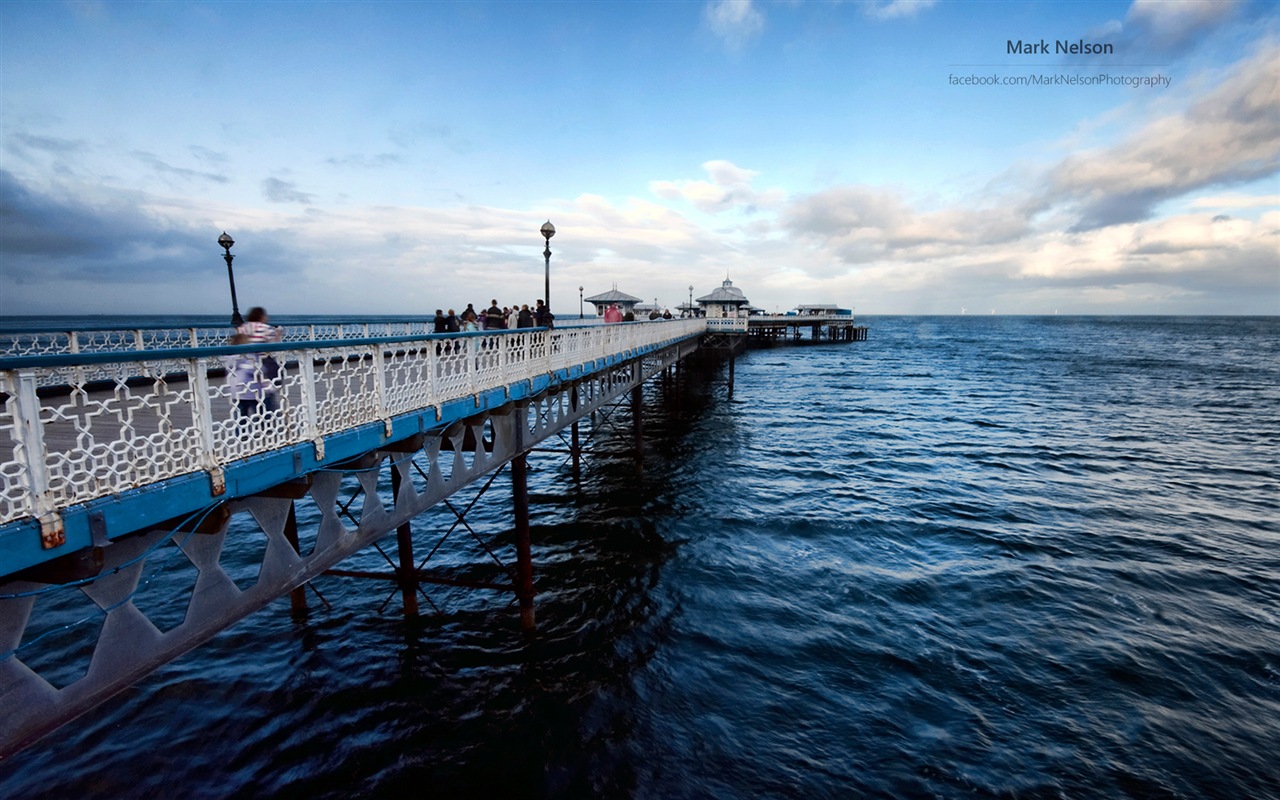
[[51, 342], [121, 420]]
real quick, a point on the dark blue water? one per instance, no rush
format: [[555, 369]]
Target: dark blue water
[[970, 557]]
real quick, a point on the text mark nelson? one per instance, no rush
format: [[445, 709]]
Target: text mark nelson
[[1061, 47]]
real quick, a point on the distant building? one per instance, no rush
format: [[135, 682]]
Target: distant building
[[822, 310], [727, 301], [624, 301]]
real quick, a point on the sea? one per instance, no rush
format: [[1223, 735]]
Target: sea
[[970, 557]]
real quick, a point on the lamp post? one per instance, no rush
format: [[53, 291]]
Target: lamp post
[[580, 303], [226, 242], [691, 300], [548, 230]]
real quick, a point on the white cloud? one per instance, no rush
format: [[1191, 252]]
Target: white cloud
[[1237, 201], [729, 188], [894, 9], [736, 22]]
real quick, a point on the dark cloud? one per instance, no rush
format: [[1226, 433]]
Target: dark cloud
[[51, 238], [35, 225], [278, 191]]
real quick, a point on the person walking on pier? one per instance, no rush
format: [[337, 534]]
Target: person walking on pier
[[612, 314], [247, 381], [441, 323], [257, 329]]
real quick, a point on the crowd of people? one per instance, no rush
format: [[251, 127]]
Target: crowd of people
[[253, 377], [494, 318]]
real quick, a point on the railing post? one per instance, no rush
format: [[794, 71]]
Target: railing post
[[380, 379], [29, 433], [202, 418], [473, 365], [308, 394]]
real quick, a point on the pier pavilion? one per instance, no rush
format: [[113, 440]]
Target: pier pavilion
[[118, 447], [622, 300]]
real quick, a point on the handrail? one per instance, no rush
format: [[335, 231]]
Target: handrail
[[52, 340], [169, 412]]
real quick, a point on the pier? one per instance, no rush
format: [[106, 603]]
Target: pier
[[117, 447]]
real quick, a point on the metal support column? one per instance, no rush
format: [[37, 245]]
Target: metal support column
[[524, 554], [406, 570], [297, 596]]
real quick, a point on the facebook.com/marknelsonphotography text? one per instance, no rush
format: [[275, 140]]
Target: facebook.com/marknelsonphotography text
[[1086, 72]]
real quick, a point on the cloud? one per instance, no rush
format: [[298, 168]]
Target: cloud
[[1086, 234], [736, 22], [36, 225], [1230, 136], [48, 144], [894, 9], [49, 238], [164, 169], [729, 188], [862, 224], [1175, 27], [278, 191], [361, 161], [1238, 201]]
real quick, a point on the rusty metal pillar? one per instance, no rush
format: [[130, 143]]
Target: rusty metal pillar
[[297, 596], [406, 571], [524, 554]]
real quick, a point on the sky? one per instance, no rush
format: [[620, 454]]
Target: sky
[[896, 157]]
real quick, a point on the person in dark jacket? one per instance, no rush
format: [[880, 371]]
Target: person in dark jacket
[[495, 320], [451, 323], [441, 323], [543, 316], [524, 319]]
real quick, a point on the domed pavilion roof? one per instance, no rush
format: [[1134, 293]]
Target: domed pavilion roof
[[727, 294]]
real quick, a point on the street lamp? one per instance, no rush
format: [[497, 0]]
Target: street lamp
[[548, 230], [691, 300], [226, 242], [580, 302]]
